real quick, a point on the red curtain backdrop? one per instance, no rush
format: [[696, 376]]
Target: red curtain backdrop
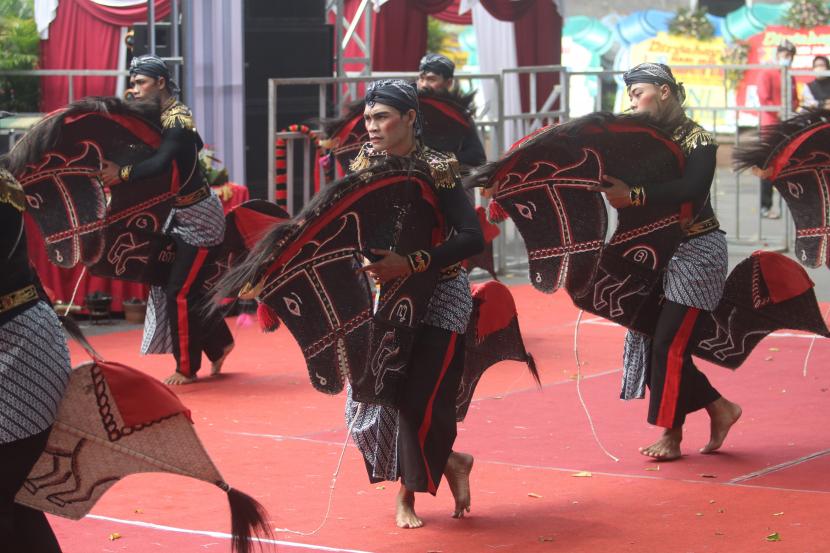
[[450, 14], [85, 35], [538, 42], [509, 10], [400, 39]]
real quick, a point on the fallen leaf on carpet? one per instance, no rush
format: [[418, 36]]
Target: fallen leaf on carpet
[[138, 511], [708, 475], [653, 468], [778, 514], [380, 487], [534, 495], [774, 537], [721, 510], [582, 474], [115, 536], [545, 538], [719, 534], [711, 501], [768, 358], [774, 349], [699, 514]]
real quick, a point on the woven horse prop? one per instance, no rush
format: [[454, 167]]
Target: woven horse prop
[[795, 155], [115, 421], [116, 232], [306, 270], [543, 184]]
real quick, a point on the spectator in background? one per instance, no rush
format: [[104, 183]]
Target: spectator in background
[[817, 92], [771, 93]]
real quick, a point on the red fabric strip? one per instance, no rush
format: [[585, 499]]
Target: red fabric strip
[[140, 399], [427, 192], [447, 110], [781, 159], [181, 308], [785, 279], [674, 369], [496, 308], [427, 422]]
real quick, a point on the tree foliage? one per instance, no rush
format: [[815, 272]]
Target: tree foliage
[[20, 45]]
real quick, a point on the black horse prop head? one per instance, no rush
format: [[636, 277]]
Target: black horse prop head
[[116, 232], [307, 270], [543, 184], [796, 156]]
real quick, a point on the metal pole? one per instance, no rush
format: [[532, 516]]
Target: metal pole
[[272, 140], [174, 39], [367, 40], [289, 175], [308, 179], [71, 88], [151, 26], [338, 38]]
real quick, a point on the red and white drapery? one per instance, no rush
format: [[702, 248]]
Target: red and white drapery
[[85, 34], [510, 33]]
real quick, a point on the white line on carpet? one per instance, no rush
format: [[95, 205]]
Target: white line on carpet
[[781, 466], [223, 535]]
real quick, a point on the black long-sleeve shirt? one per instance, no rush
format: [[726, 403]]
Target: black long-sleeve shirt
[[700, 150], [465, 238], [180, 143]]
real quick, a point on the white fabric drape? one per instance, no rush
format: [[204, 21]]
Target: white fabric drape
[[497, 51], [45, 13], [216, 79]]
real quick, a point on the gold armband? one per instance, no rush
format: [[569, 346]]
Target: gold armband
[[124, 173], [637, 195], [418, 261]]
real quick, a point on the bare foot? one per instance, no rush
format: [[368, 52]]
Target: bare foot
[[405, 516], [178, 378], [667, 448], [216, 367], [723, 414], [457, 471]]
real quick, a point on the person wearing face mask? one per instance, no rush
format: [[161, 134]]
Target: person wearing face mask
[[817, 92], [414, 441], [694, 278], [175, 322], [771, 93]]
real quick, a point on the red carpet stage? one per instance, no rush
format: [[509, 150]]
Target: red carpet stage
[[540, 482]]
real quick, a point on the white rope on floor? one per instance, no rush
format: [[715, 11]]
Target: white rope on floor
[[579, 390]]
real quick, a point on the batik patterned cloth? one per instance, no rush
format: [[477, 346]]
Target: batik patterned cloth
[[201, 225], [451, 304], [695, 276], [34, 371], [375, 431]]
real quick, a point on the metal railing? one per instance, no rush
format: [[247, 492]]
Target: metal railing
[[348, 88], [735, 201], [73, 74]]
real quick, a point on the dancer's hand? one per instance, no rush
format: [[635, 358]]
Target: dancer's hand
[[617, 192], [761, 173], [109, 173], [392, 266]]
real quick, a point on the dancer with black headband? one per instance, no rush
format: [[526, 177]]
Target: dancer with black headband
[[175, 320], [437, 75], [694, 278], [414, 442]]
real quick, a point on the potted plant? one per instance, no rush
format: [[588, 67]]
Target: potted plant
[[135, 310]]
